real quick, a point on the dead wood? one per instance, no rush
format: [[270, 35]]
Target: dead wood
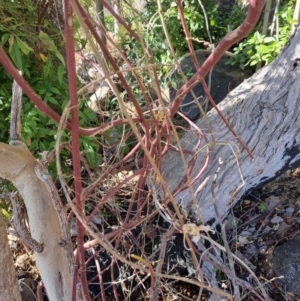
[[264, 111]]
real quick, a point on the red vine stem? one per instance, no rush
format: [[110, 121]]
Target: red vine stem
[[255, 8], [74, 107], [34, 97], [138, 38], [187, 34]]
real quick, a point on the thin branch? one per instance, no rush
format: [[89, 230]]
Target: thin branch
[[19, 224], [43, 107], [233, 278], [70, 51], [255, 8], [16, 108], [161, 259]]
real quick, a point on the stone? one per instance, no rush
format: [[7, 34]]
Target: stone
[[100, 98], [225, 77], [285, 261], [87, 68], [25, 285]]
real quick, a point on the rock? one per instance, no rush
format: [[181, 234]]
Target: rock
[[87, 68], [100, 98], [27, 293], [285, 261], [225, 77]]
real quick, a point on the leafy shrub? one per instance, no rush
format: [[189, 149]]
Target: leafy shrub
[[194, 16], [43, 66], [258, 48], [254, 49]]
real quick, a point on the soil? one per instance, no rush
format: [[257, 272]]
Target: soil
[[267, 219]]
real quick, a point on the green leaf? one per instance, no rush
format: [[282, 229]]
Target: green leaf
[[269, 39], [55, 90], [6, 214], [34, 143], [48, 42], [32, 123], [262, 207], [50, 122], [42, 146], [43, 132], [23, 46], [52, 100], [28, 130], [42, 91], [47, 67], [52, 132], [27, 72], [263, 49], [254, 62], [15, 53], [4, 38], [60, 73], [93, 158]]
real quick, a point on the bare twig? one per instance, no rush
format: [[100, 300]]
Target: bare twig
[[161, 258], [237, 295], [20, 225], [15, 120]]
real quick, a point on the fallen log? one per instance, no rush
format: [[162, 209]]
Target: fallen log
[[264, 111]]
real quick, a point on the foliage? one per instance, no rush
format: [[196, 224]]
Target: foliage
[[262, 207], [43, 66], [154, 35], [254, 49], [154, 138], [258, 48]]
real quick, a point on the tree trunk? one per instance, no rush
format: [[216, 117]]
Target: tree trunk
[[18, 166], [264, 111], [9, 287]]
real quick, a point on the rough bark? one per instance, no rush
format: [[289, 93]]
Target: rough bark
[[9, 287], [18, 166], [264, 110]]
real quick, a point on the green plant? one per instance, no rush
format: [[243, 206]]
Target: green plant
[[258, 48], [5, 207], [43, 66], [150, 28], [262, 207]]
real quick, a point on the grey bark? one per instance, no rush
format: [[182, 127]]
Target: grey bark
[[264, 110], [9, 287]]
